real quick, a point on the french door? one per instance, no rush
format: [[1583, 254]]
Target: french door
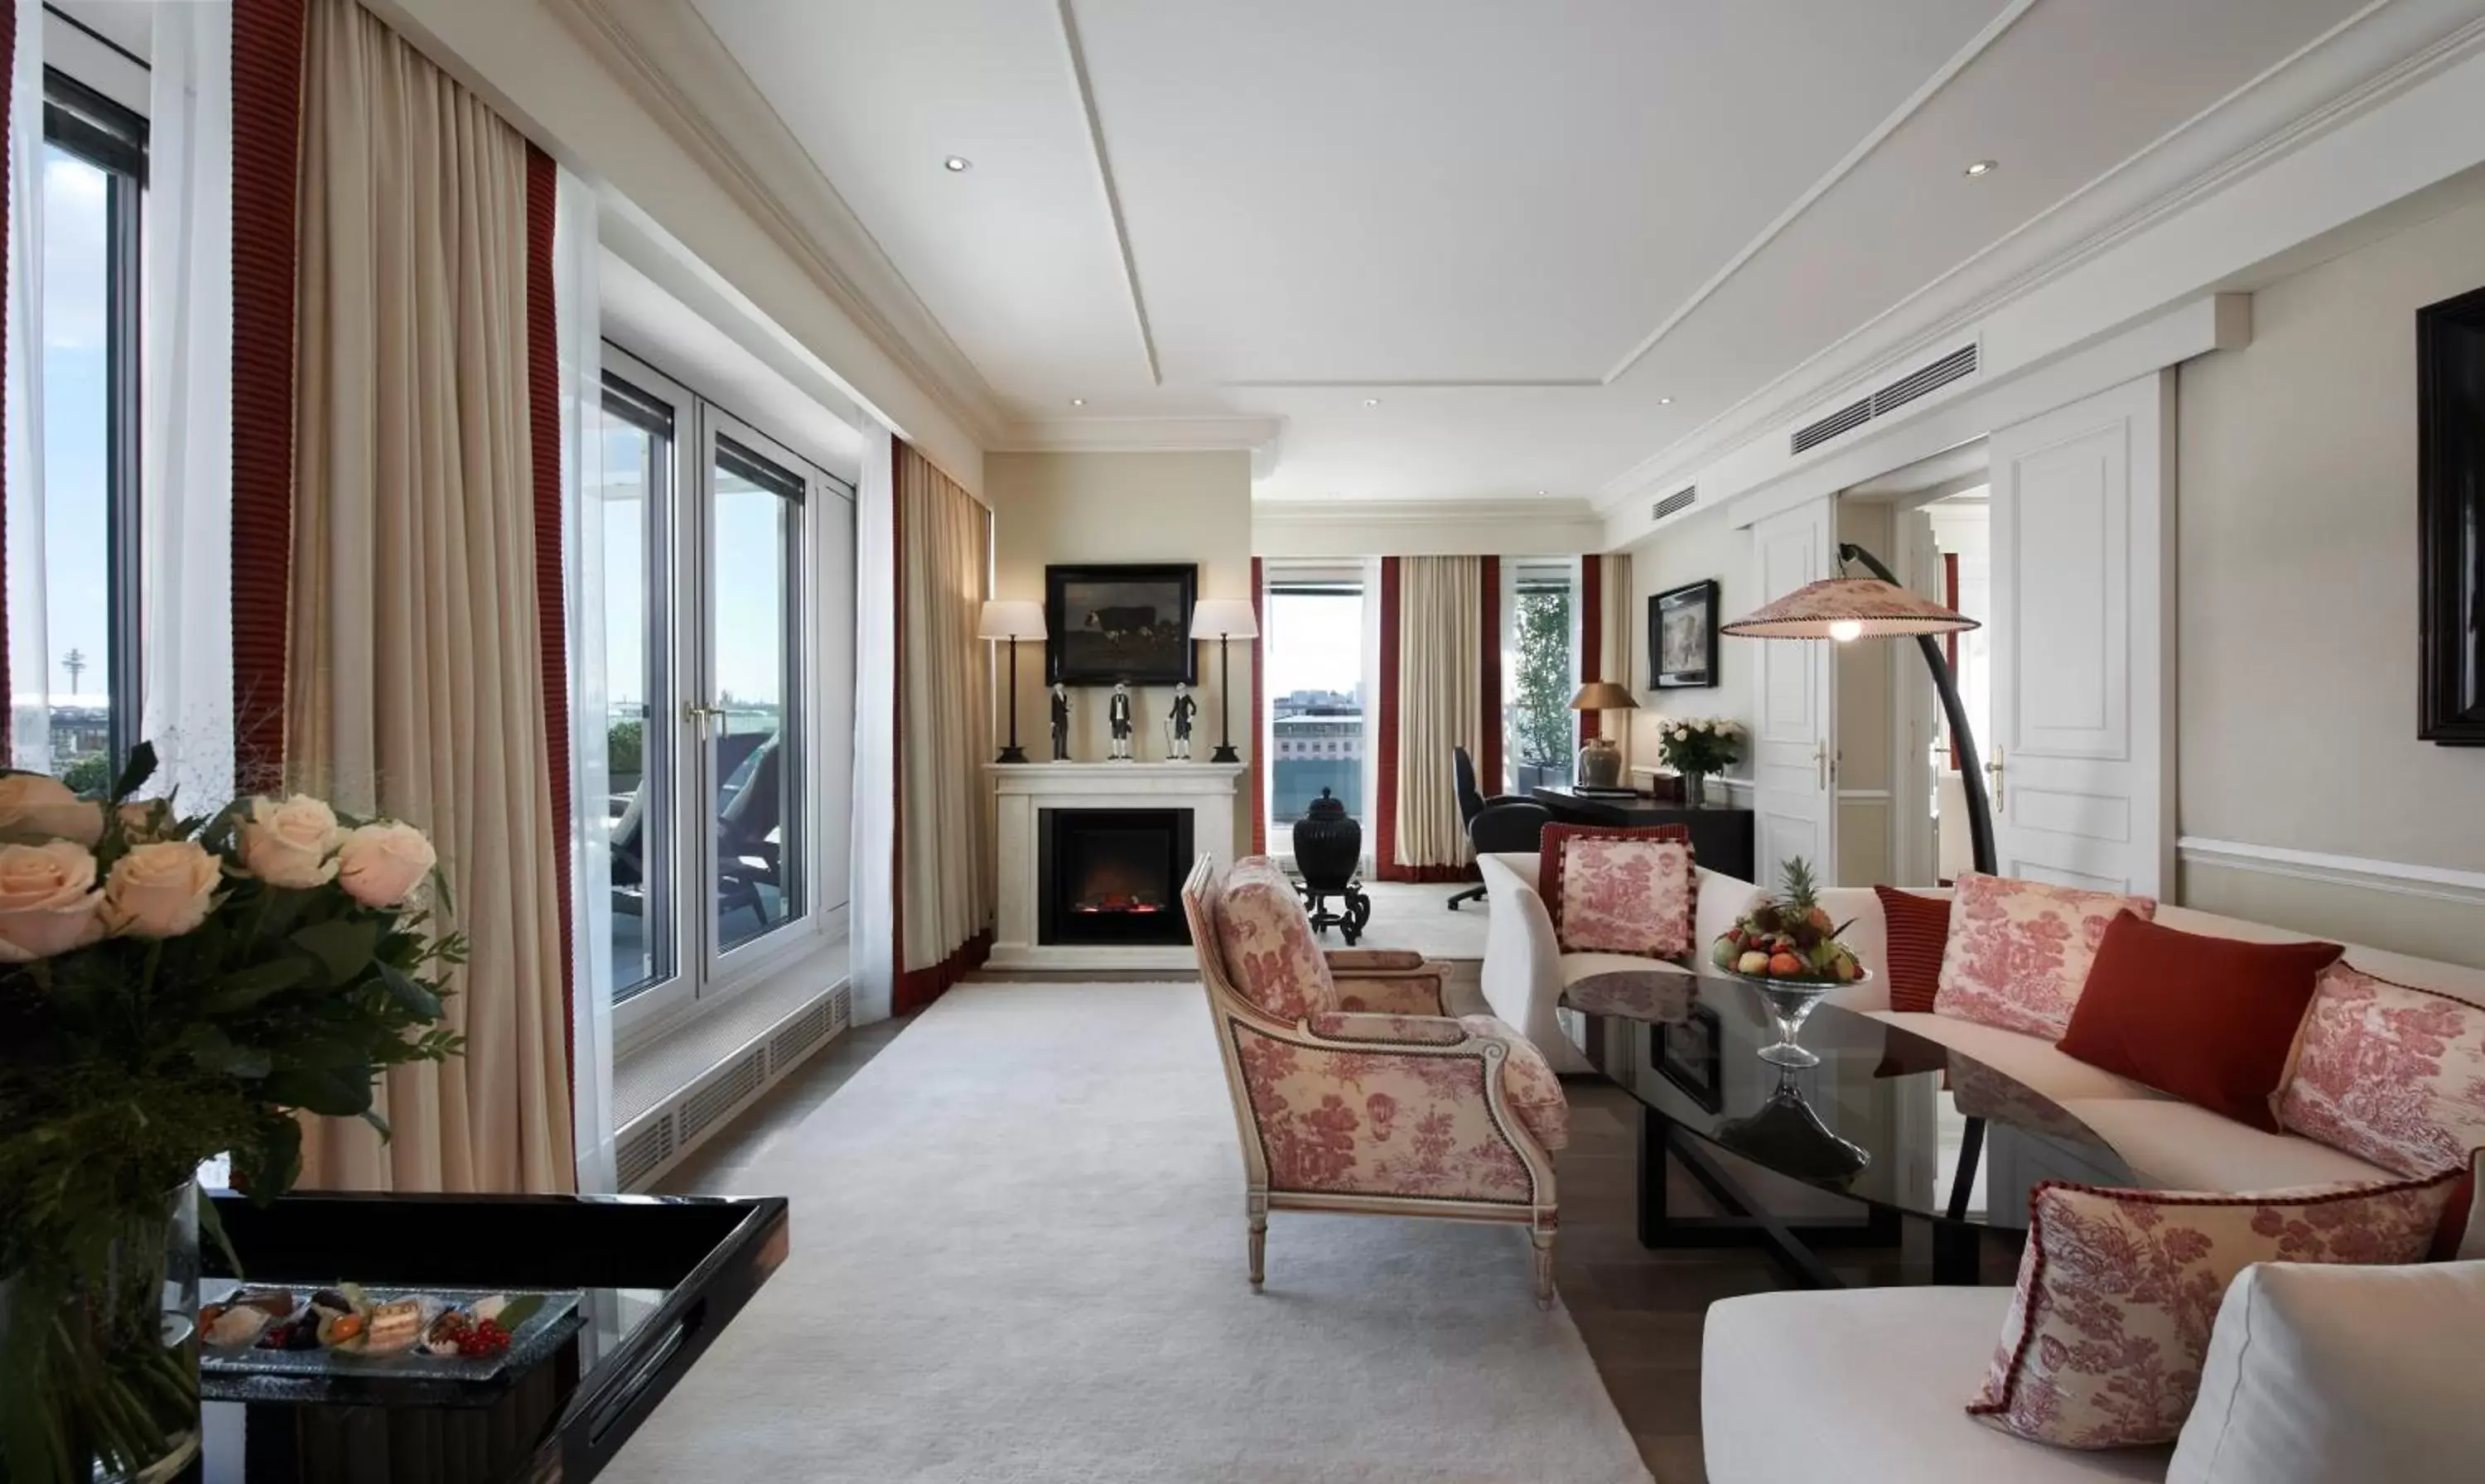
[[722, 641], [1794, 740]]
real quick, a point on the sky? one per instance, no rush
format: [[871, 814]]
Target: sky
[[1315, 642], [76, 383], [750, 536]]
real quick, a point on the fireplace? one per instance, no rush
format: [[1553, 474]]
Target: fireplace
[[1111, 875]]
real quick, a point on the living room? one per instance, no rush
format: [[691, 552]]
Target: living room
[[1166, 741]]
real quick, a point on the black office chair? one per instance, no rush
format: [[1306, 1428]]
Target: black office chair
[[1505, 821]]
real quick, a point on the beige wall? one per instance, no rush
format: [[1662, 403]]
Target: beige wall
[[1864, 727], [1706, 545], [1052, 508], [2296, 572]]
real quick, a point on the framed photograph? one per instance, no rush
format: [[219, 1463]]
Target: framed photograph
[[1683, 636], [1128, 625], [2450, 510], [1690, 1055]]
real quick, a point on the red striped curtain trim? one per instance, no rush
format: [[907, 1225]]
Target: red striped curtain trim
[[1259, 714], [543, 432], [1385, 836], [1592, 635], [1488, 746]]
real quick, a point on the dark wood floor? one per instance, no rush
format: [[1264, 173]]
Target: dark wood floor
[[1640, 1311]]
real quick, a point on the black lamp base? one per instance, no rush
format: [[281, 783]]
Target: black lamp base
[[1013, 753], [1225, 754]]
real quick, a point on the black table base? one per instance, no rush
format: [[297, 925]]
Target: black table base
[[1957, 1250], [1350, 917]]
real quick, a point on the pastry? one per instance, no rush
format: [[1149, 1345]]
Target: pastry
[[394, 1326]]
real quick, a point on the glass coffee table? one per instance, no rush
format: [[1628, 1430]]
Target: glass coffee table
[[1910, 1129]]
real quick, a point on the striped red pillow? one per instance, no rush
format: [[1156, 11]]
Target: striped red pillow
[[1919, 932]]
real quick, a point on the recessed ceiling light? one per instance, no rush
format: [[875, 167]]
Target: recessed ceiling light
[[1983, 167], [957, 164], [1078, 401], [1372, 402], [1540, 492], [1665, 401]]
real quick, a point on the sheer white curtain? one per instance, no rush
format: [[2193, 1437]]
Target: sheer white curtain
[[30, 713], [186, 501], [579, 311], [871, 925]]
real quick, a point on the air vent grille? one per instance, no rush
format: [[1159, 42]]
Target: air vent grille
[[840, 1009], [1682, 499], [643, 1153], [720, 1096], [800, 1034], [1931, 377]]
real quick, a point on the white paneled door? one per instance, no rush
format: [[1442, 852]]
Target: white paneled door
[[1795, 784], [2080, 757]]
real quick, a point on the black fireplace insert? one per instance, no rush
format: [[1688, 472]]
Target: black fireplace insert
[[1111, 875]]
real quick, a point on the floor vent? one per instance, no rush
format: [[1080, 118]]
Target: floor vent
[[1682, 499], [643, 1153], [1931, 377], [692, 1084]]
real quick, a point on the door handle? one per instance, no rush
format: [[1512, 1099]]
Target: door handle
[[1821, 761], [1993, 770], [703, 716]]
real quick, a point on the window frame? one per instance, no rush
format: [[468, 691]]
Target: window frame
[[659, 407], [1312, 578], [88, 125]]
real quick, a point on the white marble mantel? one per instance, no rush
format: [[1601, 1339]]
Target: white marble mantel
[[1023, 789]]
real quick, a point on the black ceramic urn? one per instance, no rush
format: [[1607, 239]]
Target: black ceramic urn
[[1327, 843]]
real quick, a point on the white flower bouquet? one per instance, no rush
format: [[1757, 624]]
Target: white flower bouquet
[[1699, 744]]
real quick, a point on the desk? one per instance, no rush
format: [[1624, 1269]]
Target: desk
[[1721, 838]]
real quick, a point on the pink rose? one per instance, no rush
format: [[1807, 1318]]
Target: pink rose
[[161, 890], [36, 807], [49, 904], [383, 862], [290, 844]]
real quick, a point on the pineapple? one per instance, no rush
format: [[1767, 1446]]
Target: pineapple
[[1789, 936]]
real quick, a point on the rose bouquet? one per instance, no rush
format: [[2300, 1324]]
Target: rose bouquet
[[173, 989], [1699, 744]]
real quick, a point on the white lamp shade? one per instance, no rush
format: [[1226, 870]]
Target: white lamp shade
[[1011, 618], [1224, 618]]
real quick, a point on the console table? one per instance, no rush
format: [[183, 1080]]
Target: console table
[[1721, 838]]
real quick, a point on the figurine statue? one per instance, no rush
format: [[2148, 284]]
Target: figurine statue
[[1183, 709], [1119, 714], [1060, 723]]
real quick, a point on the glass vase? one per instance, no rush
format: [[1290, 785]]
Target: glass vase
[[106, 1343], [1695, 789]]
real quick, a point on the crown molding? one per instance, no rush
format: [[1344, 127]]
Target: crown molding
[[1333, 530], [673, 65], [2361, 64], [1211, 433], [1419, 512]]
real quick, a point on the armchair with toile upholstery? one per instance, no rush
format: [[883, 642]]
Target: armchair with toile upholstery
[[1354, 1089]]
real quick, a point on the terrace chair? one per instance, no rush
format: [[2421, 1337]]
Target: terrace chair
[[1504, 822], [1353, 1090]]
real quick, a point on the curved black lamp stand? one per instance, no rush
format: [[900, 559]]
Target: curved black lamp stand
[[1979, 811]]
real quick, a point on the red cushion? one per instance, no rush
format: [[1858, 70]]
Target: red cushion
[[1551, 852], [2208, 1019], [1919, 931]]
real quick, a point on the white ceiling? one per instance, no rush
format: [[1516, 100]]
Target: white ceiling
[[1550, 241]]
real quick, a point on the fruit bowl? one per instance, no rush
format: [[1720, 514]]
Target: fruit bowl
[[1787, 949]]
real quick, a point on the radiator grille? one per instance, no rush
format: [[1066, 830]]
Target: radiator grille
[[800, 1034], [643, 1153], [720, 1096]]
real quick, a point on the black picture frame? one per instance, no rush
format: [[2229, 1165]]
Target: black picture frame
[[1125, 624], [2450, 507], [1689, 1053], [1693, 664]]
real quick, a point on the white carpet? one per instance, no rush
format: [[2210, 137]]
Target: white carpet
[[1018, 1255], [1416, 915]]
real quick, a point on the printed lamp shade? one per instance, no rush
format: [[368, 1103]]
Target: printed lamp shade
[[1848, 609]]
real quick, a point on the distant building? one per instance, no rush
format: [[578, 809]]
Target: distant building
[[1317, 747]]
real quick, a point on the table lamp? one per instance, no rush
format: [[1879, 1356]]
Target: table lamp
[[1222, 619], [1012, 619], [1601, 761]]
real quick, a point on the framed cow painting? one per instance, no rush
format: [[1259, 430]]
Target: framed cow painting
[[1124, 624]]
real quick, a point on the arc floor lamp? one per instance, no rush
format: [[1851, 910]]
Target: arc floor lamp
[[1846, 608]]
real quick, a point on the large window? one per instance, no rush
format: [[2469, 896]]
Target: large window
[[728, 589], [1319, 694], [95, 168], [1539, 736]]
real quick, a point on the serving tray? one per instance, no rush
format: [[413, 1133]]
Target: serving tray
[[549, 1323]]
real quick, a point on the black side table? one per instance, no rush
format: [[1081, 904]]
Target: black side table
[[1357, 908]]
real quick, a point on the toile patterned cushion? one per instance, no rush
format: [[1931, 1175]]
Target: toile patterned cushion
[[2019, 951], [2389, 1074], [1619, 891], [1528, 1084], [1373, 1122], [2118, 1294], [1266, 939]]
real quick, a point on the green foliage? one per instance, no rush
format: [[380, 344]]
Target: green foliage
[[88, 775], [625, 746], [1542, 723]]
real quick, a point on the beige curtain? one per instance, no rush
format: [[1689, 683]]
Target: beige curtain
[[1440, 701], [945, 718], [1619, 645], [414, 677]]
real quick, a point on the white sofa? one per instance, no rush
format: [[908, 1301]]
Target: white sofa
[[1871, 1384], [2168, 1142]]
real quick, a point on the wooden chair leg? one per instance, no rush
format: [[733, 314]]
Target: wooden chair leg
[[1544, 1240], [1259, 1223]]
